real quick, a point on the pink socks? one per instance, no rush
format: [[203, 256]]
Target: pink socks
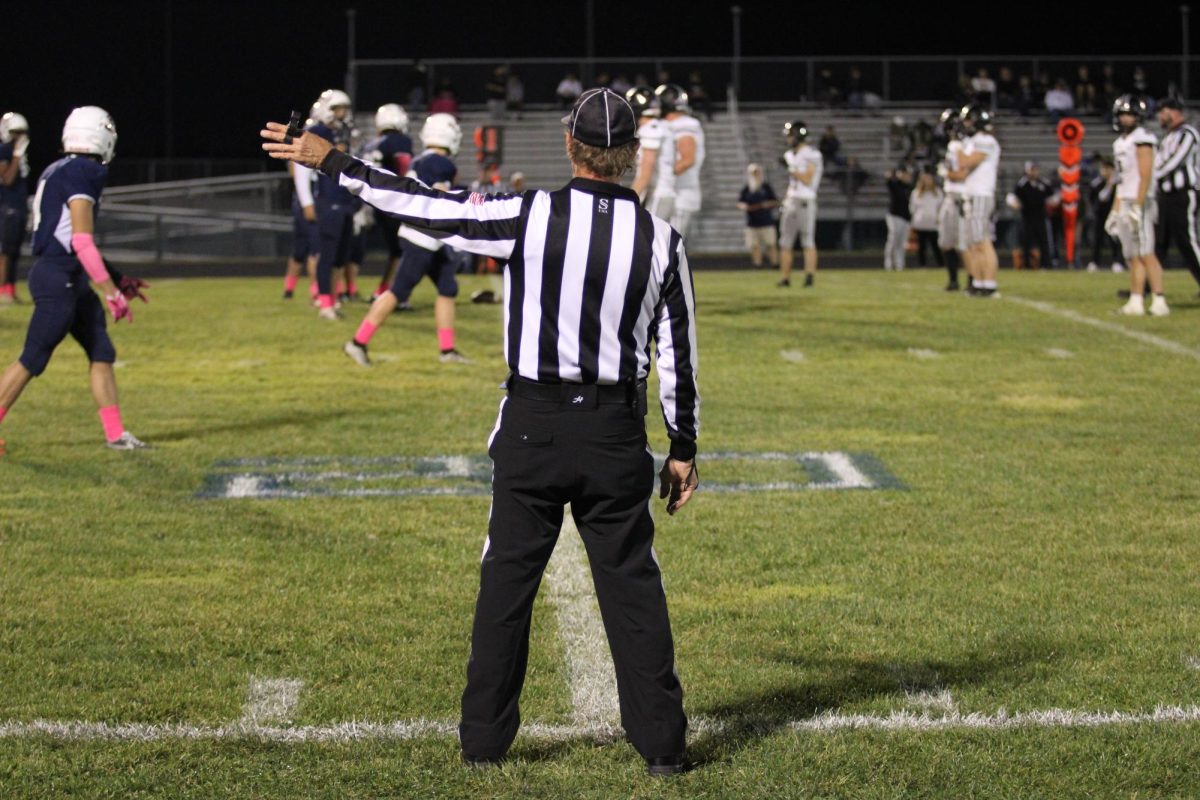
[[289, 283], [326, 301], [110, 417], [365, 332], [446, 339], [3, 411]]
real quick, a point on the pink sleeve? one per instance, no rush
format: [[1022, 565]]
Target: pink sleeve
[[85, 250]]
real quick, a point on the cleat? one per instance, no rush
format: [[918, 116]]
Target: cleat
[[666, 765], [400, 307], [808, 281], [331, 314], [127, 442], [453, 357], [287, 294], [783, 284], [1158, 307], [481, 762], [1132, 309], [357, 353], [952, 286]]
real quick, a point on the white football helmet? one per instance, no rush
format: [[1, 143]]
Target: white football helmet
[[335, 98], [10, 124], [90, 130], [442, 130], [391, 117]]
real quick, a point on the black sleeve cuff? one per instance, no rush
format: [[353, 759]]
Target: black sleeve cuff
[[335, 162], [683, 450]]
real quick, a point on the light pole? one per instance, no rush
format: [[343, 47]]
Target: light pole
[[1184, 12], [351, 67]]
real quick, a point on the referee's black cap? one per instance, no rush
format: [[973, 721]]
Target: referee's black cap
[[1170, 102], [602, 118]]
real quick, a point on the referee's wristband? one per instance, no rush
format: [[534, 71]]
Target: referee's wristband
[[683, 450], [335, 162]]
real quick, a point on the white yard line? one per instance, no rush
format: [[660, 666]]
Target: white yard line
[[1112, 327], [602, 732], [589, 662], [270, 700]]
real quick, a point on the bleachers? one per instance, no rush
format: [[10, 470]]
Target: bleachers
[[534, 145]]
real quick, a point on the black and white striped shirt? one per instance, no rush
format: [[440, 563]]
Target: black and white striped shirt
[[591, 278], [1177, 163]]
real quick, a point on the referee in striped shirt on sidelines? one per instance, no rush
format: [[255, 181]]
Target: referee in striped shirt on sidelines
[[1177, 173], [592, 280]]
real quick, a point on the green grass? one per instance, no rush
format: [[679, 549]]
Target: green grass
[[1042, 554]]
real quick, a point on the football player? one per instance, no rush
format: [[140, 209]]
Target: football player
[[391, 149], [680, 157], [951, 230], [799, 218], [65, 204], [306, 237], [1133, 213], [650, 137], [335, 206], [14, 193], [421, 254], [978, 168]]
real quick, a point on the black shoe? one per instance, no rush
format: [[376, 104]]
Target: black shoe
[[666, 765], [287, 294], [808, 281], [952, 286], [783, 284], [481, 762]]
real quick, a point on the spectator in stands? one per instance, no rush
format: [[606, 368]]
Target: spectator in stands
[[417, 78], [899, 186], [852, 177], [698, 95], [516, 182], [829, 145], [921, 136], [568, 91], [602, 80], [1141, 86], [445, 101], [664, 76], [854, 89], [496, 89], [759, 202], [923, 207], [983, 88], [621, 84], [1025, 100], [1085, 91], [514, 93], [1059, 101], [828, 92], [1041, 86], [1006, 89]]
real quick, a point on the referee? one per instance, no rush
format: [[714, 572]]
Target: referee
[[1177, 173], [591, 280]]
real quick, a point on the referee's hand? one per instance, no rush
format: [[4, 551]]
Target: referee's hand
[[679, 480], [308, 149]]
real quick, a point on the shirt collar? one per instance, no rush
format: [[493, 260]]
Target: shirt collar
[[603, 187]]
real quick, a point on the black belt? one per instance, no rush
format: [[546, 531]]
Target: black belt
[[580, 395]]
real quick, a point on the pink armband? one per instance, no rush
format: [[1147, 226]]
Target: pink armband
[[85, 250]]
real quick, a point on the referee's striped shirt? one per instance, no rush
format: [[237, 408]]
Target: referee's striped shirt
[[1177, 162], [591, 279]]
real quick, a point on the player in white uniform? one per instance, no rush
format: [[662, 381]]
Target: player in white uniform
[[799, 219], [1133, 213], [677, 191], [978, 166], [951, 231], [650, 137]]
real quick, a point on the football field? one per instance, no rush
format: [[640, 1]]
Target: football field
[[943, 547]]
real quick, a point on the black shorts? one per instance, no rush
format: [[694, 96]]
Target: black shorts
[[389, 227], [64, 303], [12, 230], [416, 262]]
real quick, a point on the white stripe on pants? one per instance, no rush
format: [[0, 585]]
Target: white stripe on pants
[[897, 241]]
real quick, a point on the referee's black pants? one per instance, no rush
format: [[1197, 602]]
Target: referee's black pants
[[1033, 236], [1177, 221], [594, 456]]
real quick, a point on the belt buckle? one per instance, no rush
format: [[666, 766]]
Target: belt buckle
[[578, 397]]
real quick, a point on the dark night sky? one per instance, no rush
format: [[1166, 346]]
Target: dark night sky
[[237, 64]]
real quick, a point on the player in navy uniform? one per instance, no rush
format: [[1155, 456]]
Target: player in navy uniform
[[14, 192], [421, 254], [391, 149], [65, 206], [335, 206], [306, 237]]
